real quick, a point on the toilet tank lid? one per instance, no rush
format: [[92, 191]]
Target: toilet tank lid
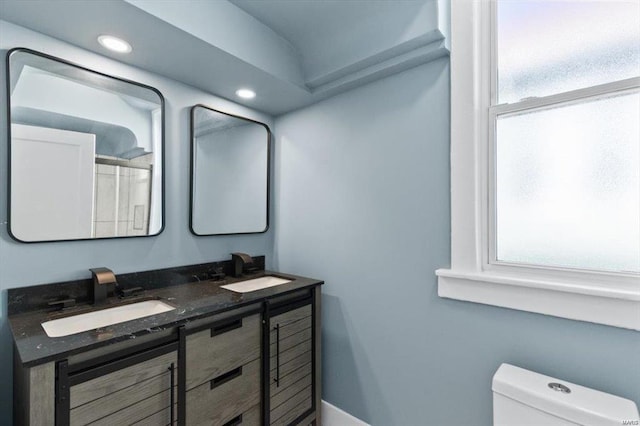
[[582, 405]]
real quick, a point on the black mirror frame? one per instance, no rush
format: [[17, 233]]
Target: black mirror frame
[[162, 143], [192, 170]]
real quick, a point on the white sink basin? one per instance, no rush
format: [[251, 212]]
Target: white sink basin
[[105, 317], [255, 284]]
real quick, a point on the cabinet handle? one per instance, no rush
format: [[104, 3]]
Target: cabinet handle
[[234, 421], [171, 397], [224, 378], [227, 326], [277, 378]]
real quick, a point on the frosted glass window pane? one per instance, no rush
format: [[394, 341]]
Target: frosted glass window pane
[[547, 47], [568, 185]]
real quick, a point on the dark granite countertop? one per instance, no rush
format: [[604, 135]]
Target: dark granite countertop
[[192, 300]]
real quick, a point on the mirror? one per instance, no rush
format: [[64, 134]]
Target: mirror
[[229, 173], [85, 152]]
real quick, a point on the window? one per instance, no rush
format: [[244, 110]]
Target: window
[[566, 173], [545, 152]]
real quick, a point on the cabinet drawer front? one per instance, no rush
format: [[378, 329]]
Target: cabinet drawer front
[[123, 398], [111, 383], [291, 316], [227, 345], [252, 417], [137, 412], [224, 398]]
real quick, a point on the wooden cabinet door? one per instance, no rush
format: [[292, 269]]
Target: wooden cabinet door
[[291, 366]]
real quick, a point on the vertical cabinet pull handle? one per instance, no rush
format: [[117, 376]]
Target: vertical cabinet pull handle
[[277, 379], [171, 397]]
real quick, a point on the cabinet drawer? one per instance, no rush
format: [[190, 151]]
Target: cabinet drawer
[[225, 397], [149, 397], [156, 406], [226, 345], [110, 384]]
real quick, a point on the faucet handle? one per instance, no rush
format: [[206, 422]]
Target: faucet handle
[[62, 304]]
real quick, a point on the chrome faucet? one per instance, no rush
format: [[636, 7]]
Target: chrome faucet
[[239, 260], [101, 278]]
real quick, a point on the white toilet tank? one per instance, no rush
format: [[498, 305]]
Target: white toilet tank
[[524, 398]]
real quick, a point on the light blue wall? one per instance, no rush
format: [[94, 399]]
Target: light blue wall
[[31, 264], [363, 202]]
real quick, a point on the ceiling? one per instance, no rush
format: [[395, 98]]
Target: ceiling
[[292, 53]]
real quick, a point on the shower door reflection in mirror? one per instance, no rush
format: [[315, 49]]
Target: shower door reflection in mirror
[[85, 152], [229, 173]]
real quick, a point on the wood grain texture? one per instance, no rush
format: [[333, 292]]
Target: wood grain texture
[[291, 316], [290, 378], [206, 406], [137, 412], [252, 417], [42, 394], [290, 354], [208, 357], [109, 383], [293, 396], [161, 418], [121, 399], [289, 391], [292, 340], [291, 328], [288, 411]]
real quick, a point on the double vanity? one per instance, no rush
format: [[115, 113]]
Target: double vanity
[[223, 343], [192, 345]]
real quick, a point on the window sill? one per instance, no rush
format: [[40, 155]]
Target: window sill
[[592, 303]]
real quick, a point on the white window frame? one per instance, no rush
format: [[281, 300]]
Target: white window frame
[[594, 296]]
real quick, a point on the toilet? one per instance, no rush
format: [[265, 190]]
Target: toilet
[[524, 398]]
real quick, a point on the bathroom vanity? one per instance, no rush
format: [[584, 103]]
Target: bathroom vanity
[[219, 358]]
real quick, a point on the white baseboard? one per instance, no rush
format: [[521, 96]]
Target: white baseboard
[[333, 416]]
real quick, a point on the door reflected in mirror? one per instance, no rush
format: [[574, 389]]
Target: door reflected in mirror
[[86, 152], [229, 173]]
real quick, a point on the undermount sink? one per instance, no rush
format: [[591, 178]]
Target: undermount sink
[[104, 317], [256, 284]]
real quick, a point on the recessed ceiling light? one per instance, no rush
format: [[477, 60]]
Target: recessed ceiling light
[[246, 93], [114, 43]]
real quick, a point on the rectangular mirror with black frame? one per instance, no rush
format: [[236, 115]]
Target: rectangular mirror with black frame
[[85, 152], [229, 173]]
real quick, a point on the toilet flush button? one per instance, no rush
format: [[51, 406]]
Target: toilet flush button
[[559, 387]]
